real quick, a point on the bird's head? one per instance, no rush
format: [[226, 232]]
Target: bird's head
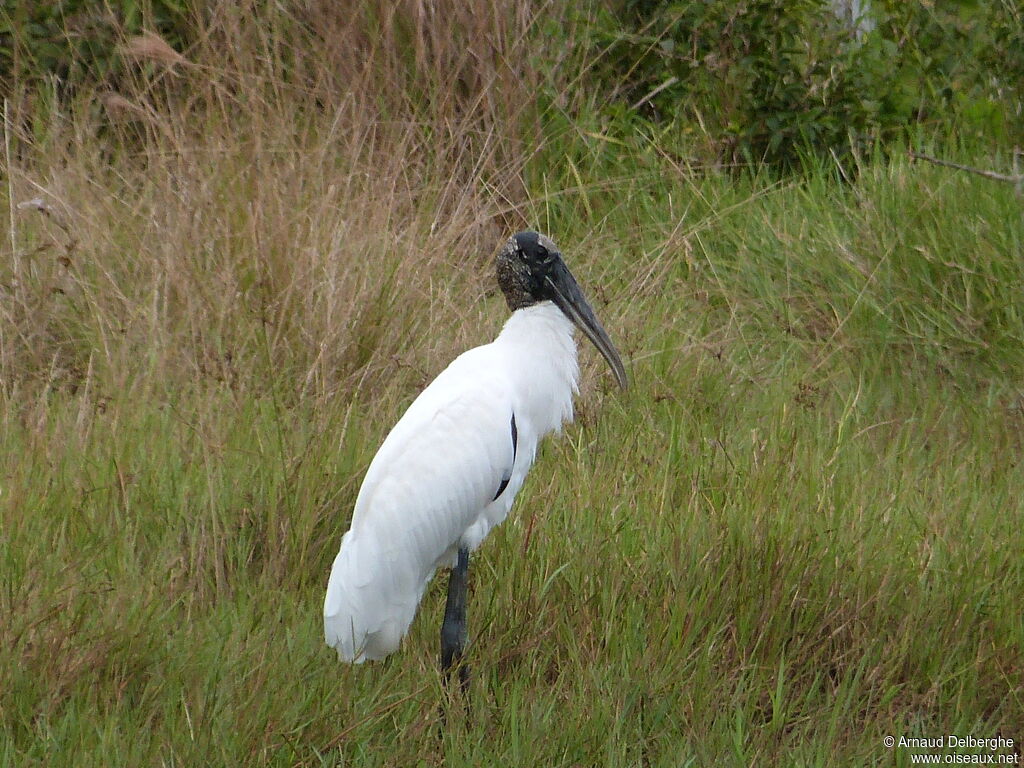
[[531, 270]]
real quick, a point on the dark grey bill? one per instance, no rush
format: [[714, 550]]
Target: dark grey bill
[[568, 297]]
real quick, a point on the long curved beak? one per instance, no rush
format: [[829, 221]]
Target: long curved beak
[[574, 305]]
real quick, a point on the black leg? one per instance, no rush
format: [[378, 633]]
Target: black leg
[[453, 630]]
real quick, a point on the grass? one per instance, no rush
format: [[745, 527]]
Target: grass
[[798, 533]]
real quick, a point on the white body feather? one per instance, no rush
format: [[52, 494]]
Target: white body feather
[[431, 487]]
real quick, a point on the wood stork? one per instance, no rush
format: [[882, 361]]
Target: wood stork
[[450, 469]]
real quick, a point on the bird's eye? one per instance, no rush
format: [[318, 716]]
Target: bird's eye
[[542, 252]]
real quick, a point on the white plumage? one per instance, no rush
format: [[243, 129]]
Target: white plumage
[[431, 487]]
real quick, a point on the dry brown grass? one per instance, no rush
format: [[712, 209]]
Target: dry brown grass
[[246, 206]]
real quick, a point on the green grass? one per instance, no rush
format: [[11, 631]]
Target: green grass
[[797, 533]]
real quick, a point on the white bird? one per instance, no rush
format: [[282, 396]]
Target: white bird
[[450, 469]]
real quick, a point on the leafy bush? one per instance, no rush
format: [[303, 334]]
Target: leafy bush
[[963, 59], [767, 80], [69, 39]]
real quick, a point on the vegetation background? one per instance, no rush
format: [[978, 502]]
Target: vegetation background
[[238, 238]]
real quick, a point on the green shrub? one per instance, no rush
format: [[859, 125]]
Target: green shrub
[[964, 60], [770, 80], [76, 39]]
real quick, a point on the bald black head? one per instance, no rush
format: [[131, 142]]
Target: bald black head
[[524, 266]]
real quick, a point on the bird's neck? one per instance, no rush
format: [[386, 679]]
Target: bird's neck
[[539, 346]]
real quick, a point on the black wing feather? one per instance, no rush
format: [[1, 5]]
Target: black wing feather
[[508, 475]]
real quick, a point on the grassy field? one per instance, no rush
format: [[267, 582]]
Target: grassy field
[[798, 533]]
